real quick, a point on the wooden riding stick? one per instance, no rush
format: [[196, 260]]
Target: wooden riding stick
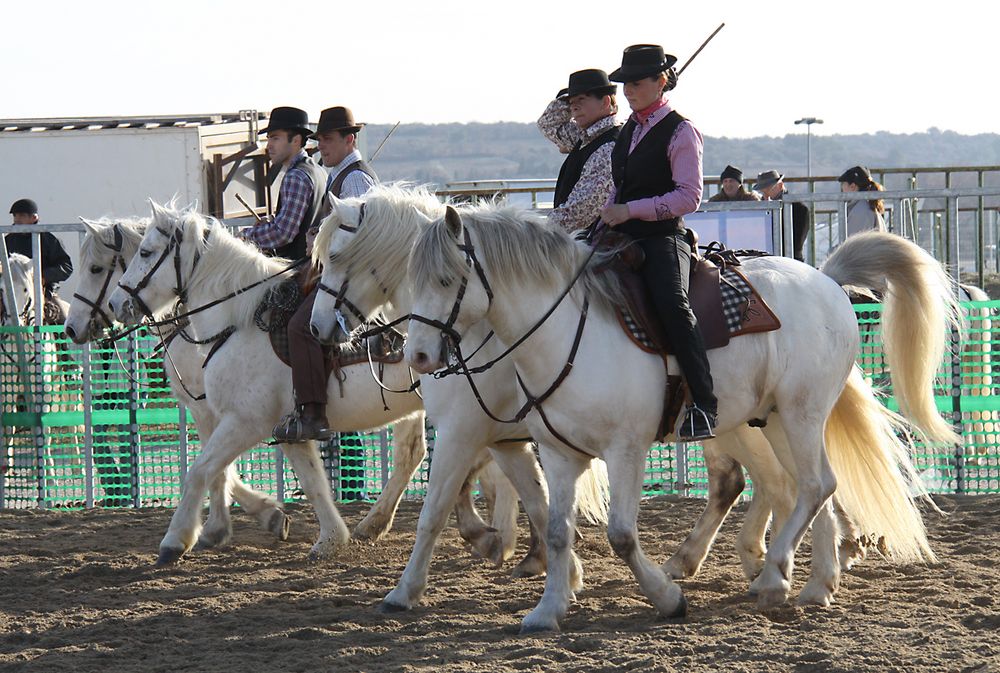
[[247, 206]]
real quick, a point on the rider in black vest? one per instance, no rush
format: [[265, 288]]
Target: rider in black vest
[[581, 122], [56, 264], [656, 166], [351, 176]]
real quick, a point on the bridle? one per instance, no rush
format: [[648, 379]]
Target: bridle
[[340, 295], [96, 308], [174, 242]]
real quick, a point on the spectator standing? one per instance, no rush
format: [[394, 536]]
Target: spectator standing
[[862, 215], [733, 188], [771, 185]]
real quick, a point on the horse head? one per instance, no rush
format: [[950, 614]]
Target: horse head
[[157, 277], [22, 278], [363, 246], [107, 247], [450, 291]]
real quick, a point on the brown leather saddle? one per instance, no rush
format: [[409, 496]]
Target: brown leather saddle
[[279, 306], [723, 300]]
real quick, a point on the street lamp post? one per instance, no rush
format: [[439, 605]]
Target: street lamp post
[[809, 121]]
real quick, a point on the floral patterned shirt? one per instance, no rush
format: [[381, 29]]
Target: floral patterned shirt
[[591, 191]]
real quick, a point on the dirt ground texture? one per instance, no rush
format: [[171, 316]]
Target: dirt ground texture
[[78, 593]]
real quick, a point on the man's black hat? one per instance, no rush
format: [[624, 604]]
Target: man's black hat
[[337, 119], [589, 81], [24, 206], [287, 119], [732, 172], [858, 175], [642, 60]]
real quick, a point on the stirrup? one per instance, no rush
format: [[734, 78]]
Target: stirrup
[[691, 430], [292, 429]]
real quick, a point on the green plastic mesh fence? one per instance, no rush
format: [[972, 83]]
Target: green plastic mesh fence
[[97, 426]]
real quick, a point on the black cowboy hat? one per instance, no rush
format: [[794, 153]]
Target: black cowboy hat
[[858, 175], [287, 119], [337, 119], [24, 206], [588, 81], [732, 172], [768, 179], [642, 60]]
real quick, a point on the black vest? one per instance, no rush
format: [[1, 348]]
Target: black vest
[[296, 249], [572, 167], [645, 173], [338, 184]]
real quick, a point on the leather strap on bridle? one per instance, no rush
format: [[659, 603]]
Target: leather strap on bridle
[[96, 308]]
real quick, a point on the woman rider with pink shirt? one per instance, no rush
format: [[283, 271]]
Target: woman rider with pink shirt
[[656, 167]]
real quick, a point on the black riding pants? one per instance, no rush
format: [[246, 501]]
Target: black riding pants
[[666, 273]]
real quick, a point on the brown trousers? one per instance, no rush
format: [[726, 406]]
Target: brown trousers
[[309, 375]]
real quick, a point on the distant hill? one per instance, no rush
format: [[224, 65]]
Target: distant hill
[[440, 153]]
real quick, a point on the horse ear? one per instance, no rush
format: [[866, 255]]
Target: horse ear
[[453, 221], [158, 210], [423, 217], [91, 226], [335, 204]]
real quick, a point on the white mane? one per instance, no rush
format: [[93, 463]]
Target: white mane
[[227, 263]]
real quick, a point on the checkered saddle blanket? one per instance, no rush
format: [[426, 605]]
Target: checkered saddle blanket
[[278, 307], [722, 298]]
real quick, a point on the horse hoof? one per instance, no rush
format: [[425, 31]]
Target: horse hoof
[[389, 607], [533, 629], [677, 569], [168, 557], [213, 539], [680, 611], [369, 532], [529, 567], [279, 524]]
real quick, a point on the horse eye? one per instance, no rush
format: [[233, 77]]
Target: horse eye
[[333, 258], [96, 269], [445, 282], [145, 253]]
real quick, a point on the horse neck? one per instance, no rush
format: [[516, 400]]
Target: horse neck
[[515, 311], [207, 286]]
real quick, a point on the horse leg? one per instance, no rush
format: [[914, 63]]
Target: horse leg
[[409, 446], [518, 463], [797, 438], [265, 508], [484, 539], [218, 528], [221, 449], [561, 472], [504, 509], [449, 470], [308, 466], [852, 548], [824, 578], [725, 483]]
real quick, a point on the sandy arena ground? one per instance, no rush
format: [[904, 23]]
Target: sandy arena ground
[[78, 593]]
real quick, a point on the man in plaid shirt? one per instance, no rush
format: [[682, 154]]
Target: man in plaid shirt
[[299, 201]]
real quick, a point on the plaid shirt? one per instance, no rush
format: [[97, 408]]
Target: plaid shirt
[[356, 183], [295, 198]]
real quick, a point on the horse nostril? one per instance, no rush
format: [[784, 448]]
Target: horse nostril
[[70, 332], [421, 358], [314, 330]]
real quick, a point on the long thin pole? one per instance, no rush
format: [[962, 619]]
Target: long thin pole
[[703, 45]]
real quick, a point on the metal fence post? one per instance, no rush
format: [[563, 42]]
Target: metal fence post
[[279, 479], [88, 429], [955, 266], [182, 443], [133, 417], [681, 485]]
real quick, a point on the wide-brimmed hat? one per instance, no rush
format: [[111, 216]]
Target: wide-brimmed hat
[[858, 175], [287, 119], [767, 179], [337, 118], [642, 60], [732, 172], [589, 81], [24, 206]]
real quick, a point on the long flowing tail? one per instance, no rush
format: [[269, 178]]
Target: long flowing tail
[[592, 493], [876, 482], [919, 309]]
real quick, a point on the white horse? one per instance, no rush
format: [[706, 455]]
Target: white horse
[[393, 216], [508, 268], [18, 358], [363, 246], [247, 386], [107, 248]]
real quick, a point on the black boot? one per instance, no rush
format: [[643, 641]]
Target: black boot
[[697, 425], [307, 422]]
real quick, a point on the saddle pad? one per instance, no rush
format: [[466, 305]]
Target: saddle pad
[[279, 306], [743, 312]]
